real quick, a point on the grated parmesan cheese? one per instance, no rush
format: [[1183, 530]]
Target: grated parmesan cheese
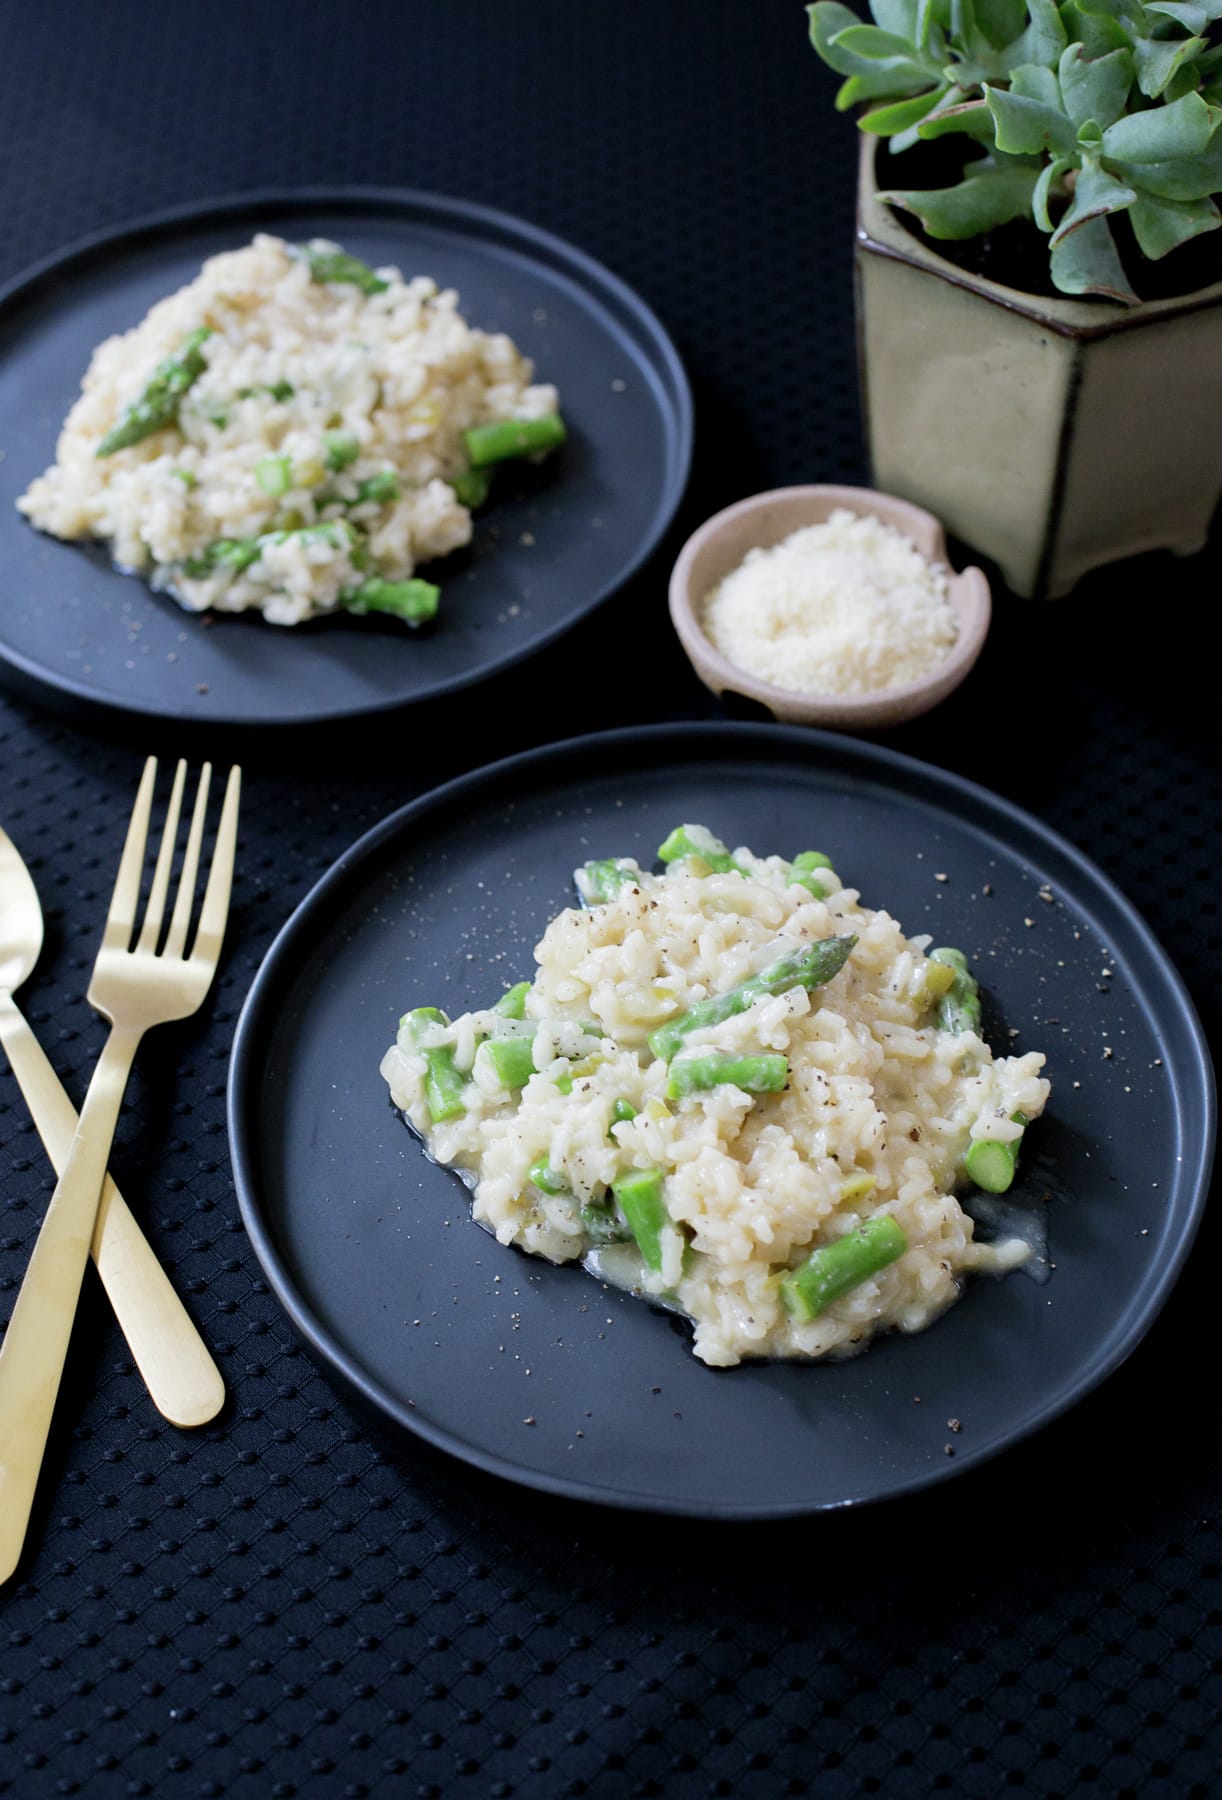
[[849, 606]]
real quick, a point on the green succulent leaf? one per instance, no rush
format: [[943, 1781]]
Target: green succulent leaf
[[1043, 40], [1028, 127], [971, 117], [1193, 15], [1095, 88], [1050, 174], [1031, 82], [827, 20], [1158, 61], [1162, 133], [1001, 20], [1086, 262], [992, 195], [881, 84], [1096, 32], [1096, 193], [871, 44], [1163, 225], [901, 115], [1188, 178]]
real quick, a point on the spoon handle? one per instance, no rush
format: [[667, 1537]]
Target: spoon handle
[[183, 1380]]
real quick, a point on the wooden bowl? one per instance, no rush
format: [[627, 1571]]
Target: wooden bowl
[[762, 520]]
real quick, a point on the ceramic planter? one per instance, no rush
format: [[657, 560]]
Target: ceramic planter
[[1052, 436]]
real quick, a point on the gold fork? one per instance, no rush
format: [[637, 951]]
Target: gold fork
[[135, 987]]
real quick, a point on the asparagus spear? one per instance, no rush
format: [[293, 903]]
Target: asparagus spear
[[413, 600], [834, 1270], [990, 1163], [959, 1006], [382, 487], [639, 1195], [694, 840], [443, 1082], [337, 265], [547, 1179], [807, 968], [513, 437], [622, 1112], [158, 404], [274, 475], [698, 1071]]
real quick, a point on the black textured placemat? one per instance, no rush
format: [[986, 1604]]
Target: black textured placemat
[[293, 1603]]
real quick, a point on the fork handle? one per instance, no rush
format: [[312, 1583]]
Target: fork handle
[[35, 1345], [183, 1380]]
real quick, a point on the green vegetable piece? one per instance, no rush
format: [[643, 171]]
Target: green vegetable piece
[[603, 1223], [547, 1179], [639, 1196], [339, 449], [808, 968], [472, 487], [694, 840], [382, 487], [443, 1082], [512, 1003], [697, 1072], [959, 1007], [602, 880], [279, 390], [188, 478], [991, 1163], [622, 1112], [513, 437], [837, 1268], [564, 1084], [415, 601], [274, 475], [158, 404], [238, 553], [511, 1060], [804, 873], [337, 265]]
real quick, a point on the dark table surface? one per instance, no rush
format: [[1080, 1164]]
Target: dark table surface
[[294, 1602]]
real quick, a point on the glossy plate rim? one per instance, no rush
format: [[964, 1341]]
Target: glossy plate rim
[[595, 278], [878, 760]]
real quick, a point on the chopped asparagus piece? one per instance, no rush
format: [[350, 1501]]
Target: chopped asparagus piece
[[639, 1196], [990, 1163], [837, 1268], [274, 475], [805, 867], [694, 840], [513, 437], [603, 1224], [443, 1082], [158, 404], [412, 600], [602, 880], [472, 486], [698, 1071], [511, 1060], [382, 487], [512, 1003], [339, 449], [622, 1112], [547, 1179], [337, 265], [959, 1006], [807, 968], [239, 553], [187, 476]]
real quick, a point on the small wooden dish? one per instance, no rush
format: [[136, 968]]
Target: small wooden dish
[[762, 520]]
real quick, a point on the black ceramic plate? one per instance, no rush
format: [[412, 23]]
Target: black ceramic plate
[[560, 537], [539, 1373]]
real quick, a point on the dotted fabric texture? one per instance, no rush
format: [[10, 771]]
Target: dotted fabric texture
[[293, 1602]]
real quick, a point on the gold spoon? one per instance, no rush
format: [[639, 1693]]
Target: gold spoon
[[177, 1367]]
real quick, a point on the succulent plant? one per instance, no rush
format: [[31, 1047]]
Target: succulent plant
[[1074, 114]]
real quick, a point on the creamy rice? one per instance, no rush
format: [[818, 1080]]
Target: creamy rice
[[879, 1109], [313, 388]]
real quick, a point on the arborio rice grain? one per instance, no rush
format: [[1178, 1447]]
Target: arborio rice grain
[[312, 391], [878, 1112]]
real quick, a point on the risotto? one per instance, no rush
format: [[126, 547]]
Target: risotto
[[292, 433], [738, 1092]]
